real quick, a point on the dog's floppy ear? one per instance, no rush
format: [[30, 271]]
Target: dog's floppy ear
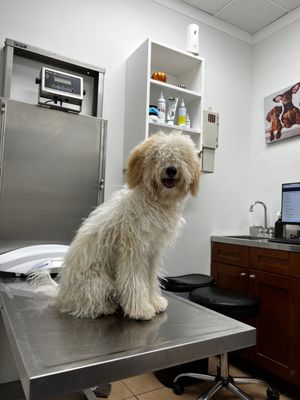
[[278, 98], [295, 88], [194, 187], [134, 174]]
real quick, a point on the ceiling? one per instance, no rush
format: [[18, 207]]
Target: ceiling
[[250, 16]]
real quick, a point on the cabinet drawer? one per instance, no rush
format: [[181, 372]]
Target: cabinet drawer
[[275, 261], [229, 254], [230, 276]]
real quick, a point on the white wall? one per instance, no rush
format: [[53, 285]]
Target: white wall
[[276, 65]]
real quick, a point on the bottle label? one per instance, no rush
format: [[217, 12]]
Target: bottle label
[[162, 115], [181, 120]]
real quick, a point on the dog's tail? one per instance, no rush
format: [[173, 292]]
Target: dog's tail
[[41, 282]]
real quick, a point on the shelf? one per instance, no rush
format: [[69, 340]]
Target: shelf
[[189, 95], [172, 60], [194, 134], [181, 68], [175, 127]]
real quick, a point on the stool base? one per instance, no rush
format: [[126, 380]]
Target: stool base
[[223, 379]]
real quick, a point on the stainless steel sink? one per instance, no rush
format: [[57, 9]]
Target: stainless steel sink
[[248, 237]]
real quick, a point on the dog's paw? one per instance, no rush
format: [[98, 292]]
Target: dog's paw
[[159, 303], [144, 313], [109, 309]]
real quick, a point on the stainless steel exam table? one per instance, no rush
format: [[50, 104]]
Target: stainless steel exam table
[[56, 354]]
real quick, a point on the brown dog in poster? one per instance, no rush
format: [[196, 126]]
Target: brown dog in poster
[[291, 113], [276, 126]]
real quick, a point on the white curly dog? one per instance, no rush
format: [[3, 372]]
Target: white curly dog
[[113, 260]]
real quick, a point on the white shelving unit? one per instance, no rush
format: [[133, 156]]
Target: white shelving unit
[[181, 68]]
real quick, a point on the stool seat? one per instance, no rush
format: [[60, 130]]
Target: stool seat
[[187, 283], [233, 303]]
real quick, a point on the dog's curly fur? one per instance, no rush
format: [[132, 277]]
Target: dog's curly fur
[[113, 261]]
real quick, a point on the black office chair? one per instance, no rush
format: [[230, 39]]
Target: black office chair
[[182, 286], [236, 305]]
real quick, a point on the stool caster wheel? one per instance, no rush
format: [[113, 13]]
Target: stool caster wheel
[[272, 395], [178, 389]]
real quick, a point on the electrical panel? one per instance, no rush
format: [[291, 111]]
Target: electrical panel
[[210, 129], [209, 139]]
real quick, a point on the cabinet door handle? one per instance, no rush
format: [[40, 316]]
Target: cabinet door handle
[[252, 276], [242, 273]]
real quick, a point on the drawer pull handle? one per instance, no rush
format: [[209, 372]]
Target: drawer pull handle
[[242, 273], [252, 276]]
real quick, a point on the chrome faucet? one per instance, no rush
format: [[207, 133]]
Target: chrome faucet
[[265, 208]]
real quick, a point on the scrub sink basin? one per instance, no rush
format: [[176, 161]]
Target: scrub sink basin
[[248, 237]]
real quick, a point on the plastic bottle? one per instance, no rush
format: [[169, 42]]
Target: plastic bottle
[[161, 105], [153, 113], [182, 114], [188, 121], [279, 228]]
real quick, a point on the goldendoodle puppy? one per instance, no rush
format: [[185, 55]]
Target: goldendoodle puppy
[[113, 260]]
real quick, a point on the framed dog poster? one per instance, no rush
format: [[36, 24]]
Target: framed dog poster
[[282, 114]]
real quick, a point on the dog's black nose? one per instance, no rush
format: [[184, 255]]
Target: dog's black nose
[[171, 171]]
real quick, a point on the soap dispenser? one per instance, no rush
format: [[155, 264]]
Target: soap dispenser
[[279, 226]]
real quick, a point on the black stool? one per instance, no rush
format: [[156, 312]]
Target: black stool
[[235, 305], [182, 286], [185, 284], [232, 303]]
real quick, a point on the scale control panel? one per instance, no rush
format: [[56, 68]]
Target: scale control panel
[[60, 86]]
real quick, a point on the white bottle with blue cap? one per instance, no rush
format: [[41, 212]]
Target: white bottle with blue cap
[[161, 105]]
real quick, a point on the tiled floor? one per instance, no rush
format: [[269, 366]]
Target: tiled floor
[[147, 387]]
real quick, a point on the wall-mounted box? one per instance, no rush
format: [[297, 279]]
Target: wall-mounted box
[[210, 135], [208, 159], [210, 129]]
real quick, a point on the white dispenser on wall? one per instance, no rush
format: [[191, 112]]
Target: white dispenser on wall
[[192, 39]]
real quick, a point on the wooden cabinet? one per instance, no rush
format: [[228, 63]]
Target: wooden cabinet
[[184, 81], [229, 254], [230, 276], [273, 332], [273, 276]]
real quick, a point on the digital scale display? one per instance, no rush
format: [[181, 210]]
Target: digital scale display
[[61, 86], [62, 80]]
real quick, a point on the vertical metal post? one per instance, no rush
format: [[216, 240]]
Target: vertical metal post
[[100, 91], [3, 104], [224, 365], [7, 70], [102, 162]]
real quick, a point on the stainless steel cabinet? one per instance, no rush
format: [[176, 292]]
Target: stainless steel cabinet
[[52, 171]]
